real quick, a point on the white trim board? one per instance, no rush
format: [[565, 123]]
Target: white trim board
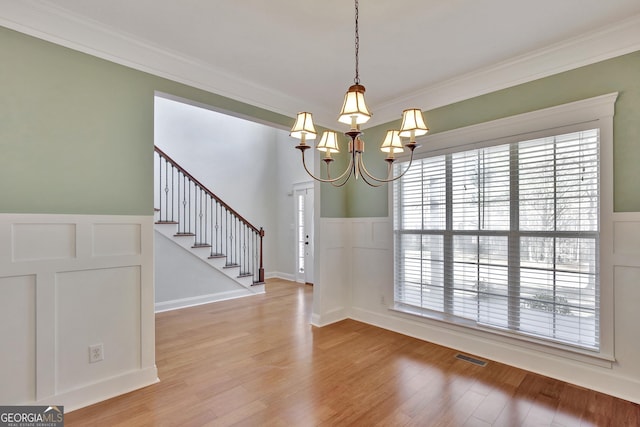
[[45, 21], [177, 304], [79, 280]]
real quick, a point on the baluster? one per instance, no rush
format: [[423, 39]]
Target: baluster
[[173, 215], [248, 251], [211, 219], [193, 209], [218, 248], [206, 223], [247, 256], [238, 240], [179, 202], [234, 233], [166, 190], [229, 228], [201, 217], [190, 206], [159, 187], [206, 218], [223, 238], [183, 221], [235, 230], [249, 233], [198, 214], [226, 236], [261, 268], [243, 251], [233, 239]]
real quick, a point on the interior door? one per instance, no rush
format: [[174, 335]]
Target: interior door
[[303, 195]]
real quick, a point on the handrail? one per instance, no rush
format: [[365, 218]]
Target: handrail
[[206, 190], [206, 217]]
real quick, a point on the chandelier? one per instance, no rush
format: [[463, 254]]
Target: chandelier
[[355, 113]]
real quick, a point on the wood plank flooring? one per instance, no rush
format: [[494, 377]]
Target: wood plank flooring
[[256, 361]]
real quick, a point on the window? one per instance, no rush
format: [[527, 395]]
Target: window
[[506, 236], [300, 232]]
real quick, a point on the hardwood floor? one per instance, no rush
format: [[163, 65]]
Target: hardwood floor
[[256, 361]]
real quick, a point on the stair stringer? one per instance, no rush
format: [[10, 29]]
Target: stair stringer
[[222, 277]]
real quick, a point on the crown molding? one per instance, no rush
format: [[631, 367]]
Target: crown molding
[[605, 43], [48, 22]]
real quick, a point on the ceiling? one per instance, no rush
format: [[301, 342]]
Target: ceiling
[[294, 55]]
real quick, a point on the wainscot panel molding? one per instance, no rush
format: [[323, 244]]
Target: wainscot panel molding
[[68, 282], [371, 294], [331, 296]]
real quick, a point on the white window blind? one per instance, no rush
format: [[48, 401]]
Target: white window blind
[[505, 236]]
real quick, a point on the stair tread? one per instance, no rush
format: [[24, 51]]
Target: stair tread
[[201, 245], [184, 234], [231, 266], [167, 222], [215, 256]]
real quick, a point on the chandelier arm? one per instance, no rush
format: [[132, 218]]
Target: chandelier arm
[[390, 179], [351, 170], [343, 182], [366, 174], [330, 180]]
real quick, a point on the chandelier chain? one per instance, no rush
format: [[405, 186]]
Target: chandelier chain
[[355, 112], [357, 43]]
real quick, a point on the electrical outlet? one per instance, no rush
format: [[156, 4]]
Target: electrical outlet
[[96, 353]]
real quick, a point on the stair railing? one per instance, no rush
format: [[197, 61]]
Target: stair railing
[[181, 199]]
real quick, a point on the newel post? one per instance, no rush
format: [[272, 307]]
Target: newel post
[[261, 270]]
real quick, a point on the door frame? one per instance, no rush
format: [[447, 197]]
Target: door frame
[[302, 277]]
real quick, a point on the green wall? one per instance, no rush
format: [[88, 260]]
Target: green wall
[[76, 132], [621, 74]]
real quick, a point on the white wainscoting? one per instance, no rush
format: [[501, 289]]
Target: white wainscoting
[[369, 264], [332, 277], [68, 282]]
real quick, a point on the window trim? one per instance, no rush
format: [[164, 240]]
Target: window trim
[[596, 112]]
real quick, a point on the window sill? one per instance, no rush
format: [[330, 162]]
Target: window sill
[[506, 337]]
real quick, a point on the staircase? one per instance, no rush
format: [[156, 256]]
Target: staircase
[[195, 218]]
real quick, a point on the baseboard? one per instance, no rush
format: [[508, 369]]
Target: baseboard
[[280, 275], [328, 318], [94, 393], [580, 374], [201, 299]]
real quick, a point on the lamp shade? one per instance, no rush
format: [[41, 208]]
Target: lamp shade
[[329, 142], [392, 142], [303, 126], [354, 107], [413, 123]]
